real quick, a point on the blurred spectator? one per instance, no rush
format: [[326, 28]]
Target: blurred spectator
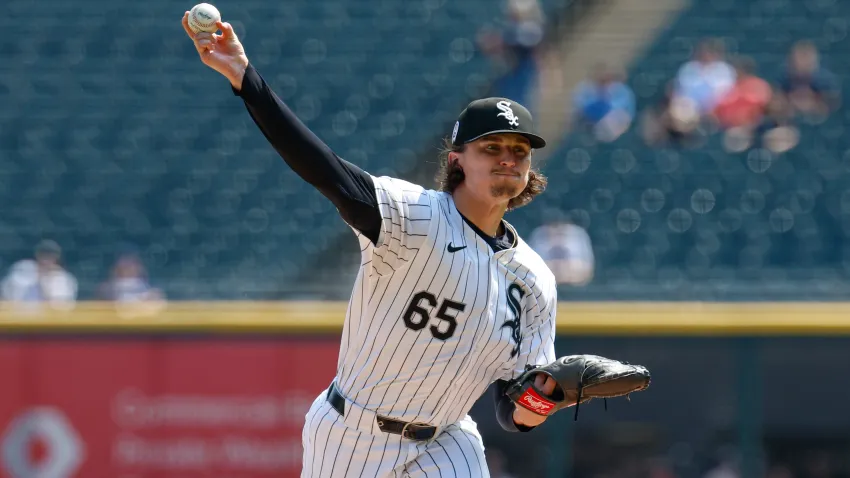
[[604, 104], [741, 110], [513, 48], [129, 289], [743, 105], [42, 280], [777, 129], [703, 81], [811, 89], [693, 97], [673, 120], [566, 249], [690, 98]]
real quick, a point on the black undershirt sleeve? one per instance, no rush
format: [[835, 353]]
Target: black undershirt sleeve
[[505, 409], [348, 187]]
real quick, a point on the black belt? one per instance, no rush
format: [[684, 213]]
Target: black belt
[[409, 430]]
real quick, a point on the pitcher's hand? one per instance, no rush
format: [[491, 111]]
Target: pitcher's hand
[[527, 417], [223, 53]]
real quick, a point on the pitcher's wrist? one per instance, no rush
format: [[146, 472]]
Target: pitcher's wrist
[[238, 72]]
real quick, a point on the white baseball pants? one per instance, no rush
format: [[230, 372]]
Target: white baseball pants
[[353, 447]]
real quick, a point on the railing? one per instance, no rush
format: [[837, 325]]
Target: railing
[[573, 318]]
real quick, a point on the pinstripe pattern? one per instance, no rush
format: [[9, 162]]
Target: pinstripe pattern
[[334, 450], [428, 328], [457, 452]]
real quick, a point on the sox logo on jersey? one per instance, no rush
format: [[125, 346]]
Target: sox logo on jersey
[[515, 295]]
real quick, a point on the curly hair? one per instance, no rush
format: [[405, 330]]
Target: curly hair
[[450, 175]]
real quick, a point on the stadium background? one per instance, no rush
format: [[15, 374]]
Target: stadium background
[[209, 281]]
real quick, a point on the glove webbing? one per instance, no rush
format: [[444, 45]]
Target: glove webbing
[[575, 417], [580, 388]]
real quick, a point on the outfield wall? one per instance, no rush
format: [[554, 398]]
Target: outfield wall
[[220, 389]]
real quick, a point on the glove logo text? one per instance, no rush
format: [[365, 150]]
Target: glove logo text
[[536, 403]]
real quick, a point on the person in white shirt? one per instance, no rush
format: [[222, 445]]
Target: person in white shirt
[[32, 283], [129, 288], [704, 80], [567, 250]]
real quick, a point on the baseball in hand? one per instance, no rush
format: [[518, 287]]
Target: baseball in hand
[[202, 18]]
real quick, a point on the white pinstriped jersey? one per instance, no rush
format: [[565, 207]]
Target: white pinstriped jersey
[[436, 315]]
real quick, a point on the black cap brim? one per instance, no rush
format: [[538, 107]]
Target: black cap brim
[[536, 141]]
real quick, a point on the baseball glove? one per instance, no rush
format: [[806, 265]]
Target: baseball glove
[[580, 378]]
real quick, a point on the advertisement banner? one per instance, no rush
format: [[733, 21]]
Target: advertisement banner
[[158, 407]]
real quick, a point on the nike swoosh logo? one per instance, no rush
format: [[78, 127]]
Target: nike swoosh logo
[[453, 249]]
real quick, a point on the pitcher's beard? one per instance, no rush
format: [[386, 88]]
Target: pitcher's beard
[[504, 191]]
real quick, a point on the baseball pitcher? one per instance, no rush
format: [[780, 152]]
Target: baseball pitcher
[[448, 299]]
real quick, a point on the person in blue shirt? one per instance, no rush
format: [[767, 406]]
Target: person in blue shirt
[[604, 104]]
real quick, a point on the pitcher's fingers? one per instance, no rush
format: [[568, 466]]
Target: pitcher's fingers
[[186, 26], [539, 380], [201, 46], [226, 30], [204, 41], [549, 386], [545, 383]]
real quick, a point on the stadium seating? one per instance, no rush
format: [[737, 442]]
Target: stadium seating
[[702, 222], [112, 131]]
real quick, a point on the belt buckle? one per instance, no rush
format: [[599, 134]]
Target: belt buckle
[[418, 424]]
